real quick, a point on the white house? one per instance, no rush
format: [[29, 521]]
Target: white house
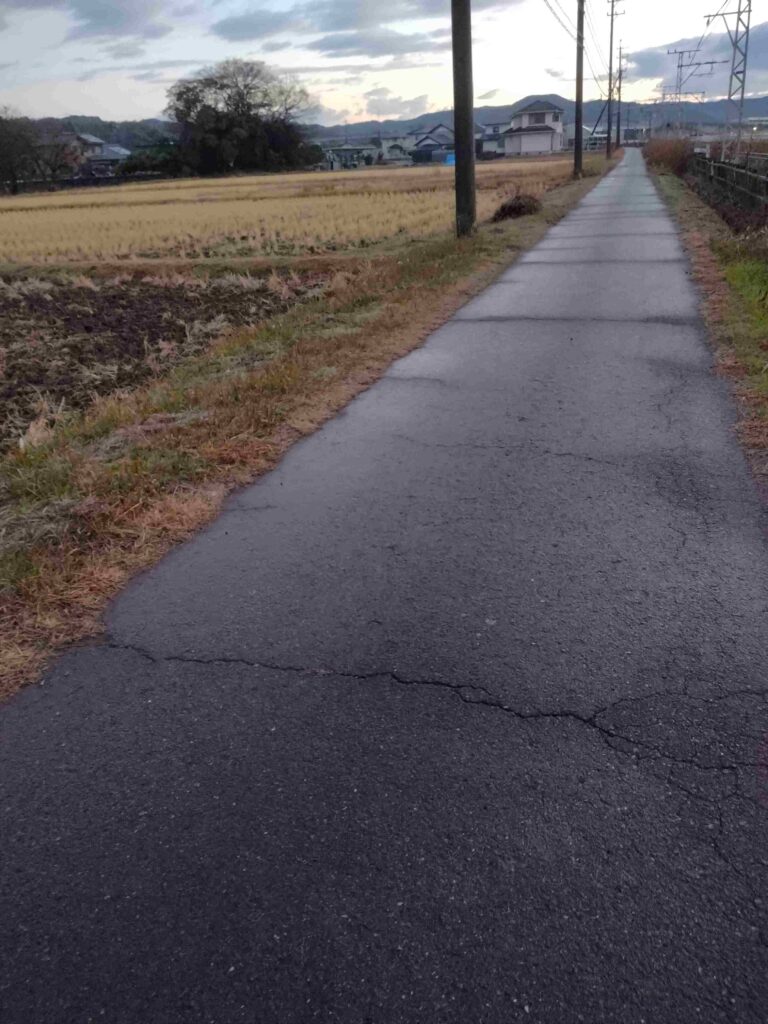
[[537, 128]]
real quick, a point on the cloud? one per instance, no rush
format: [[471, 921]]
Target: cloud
[[125, 51], [146, 71], [98, 19], [553, 73], [382, 103], [329, 17], [656, 63], [488, 95], [255, 24], [277, 44], [379, 42], [326, 115]]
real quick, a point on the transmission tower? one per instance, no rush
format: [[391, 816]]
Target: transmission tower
[[682, 56], [737, 23]]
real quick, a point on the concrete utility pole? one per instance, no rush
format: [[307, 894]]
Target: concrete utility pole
[[463, 117], [578, 142], [618, 97], [608, 139]]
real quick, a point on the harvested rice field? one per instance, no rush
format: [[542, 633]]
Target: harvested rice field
[[257, 215]]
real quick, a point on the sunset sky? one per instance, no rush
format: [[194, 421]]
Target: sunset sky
[[359, 60]]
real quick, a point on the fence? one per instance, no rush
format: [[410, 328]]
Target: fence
[[741, 184]]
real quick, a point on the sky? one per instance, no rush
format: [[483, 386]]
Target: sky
[[359, 59]]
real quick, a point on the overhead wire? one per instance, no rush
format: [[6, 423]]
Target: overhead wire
[[559, 20], [704, 34], [595, 36], [562, 18], [566, 17]]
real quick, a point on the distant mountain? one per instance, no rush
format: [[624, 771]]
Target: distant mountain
[[710, 112], [154, 131], [130, 134]]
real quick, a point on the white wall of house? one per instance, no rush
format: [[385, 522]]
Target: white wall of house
[[535, 144]]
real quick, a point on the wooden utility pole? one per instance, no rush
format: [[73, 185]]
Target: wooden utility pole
[[578, 142], [608, 140], [463, 116]]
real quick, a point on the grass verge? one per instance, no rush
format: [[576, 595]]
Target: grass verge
[[735, 288], [100, 494]]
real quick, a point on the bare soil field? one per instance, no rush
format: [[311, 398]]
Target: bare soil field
[[65, 340]]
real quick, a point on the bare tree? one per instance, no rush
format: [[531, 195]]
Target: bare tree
[[17, 149], [56, 155], [239, 114]]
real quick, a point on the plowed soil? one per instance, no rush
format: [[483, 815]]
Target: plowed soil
[[64, 342]]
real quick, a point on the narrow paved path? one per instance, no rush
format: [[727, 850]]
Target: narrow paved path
[[456, 717]]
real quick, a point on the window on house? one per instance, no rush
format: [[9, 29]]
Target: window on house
[[537, 119], [556, 117]]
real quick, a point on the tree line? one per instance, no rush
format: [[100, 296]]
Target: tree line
[[236, 116]]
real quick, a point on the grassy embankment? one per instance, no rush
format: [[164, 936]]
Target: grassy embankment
[[732, 270], [95, 492]]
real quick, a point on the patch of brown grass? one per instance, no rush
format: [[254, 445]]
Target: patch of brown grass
[[672, 155]]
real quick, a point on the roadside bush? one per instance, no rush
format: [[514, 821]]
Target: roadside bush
[[520, 205], [669, 154]]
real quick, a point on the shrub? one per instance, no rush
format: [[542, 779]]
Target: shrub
[[670, 154], [520, 205]]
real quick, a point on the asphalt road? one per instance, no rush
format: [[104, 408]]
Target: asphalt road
[[456, 717]]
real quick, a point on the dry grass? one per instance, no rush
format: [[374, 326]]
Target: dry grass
[[669, 154], [99, 494], [733, 275], [303, 213]]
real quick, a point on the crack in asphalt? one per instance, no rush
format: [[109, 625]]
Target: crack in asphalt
[[481, 696], [508, 448]]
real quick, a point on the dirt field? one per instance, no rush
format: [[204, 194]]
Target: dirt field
[[65, 340]]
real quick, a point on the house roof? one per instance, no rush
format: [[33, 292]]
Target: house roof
[[538, 105], [532, 129], [91, 140], [115, 153]]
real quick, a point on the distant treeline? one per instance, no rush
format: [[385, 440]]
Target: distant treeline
[[237, 116]]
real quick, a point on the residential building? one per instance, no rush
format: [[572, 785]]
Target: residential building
[[349, 156], [492, 139], [536, 129], [107, 160]]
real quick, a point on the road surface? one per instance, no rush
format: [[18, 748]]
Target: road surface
[[456, 717]]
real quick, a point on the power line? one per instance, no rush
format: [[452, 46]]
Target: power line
[[566, 17], [559, 20], [595, 78], [704, 35], [595, 39]]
